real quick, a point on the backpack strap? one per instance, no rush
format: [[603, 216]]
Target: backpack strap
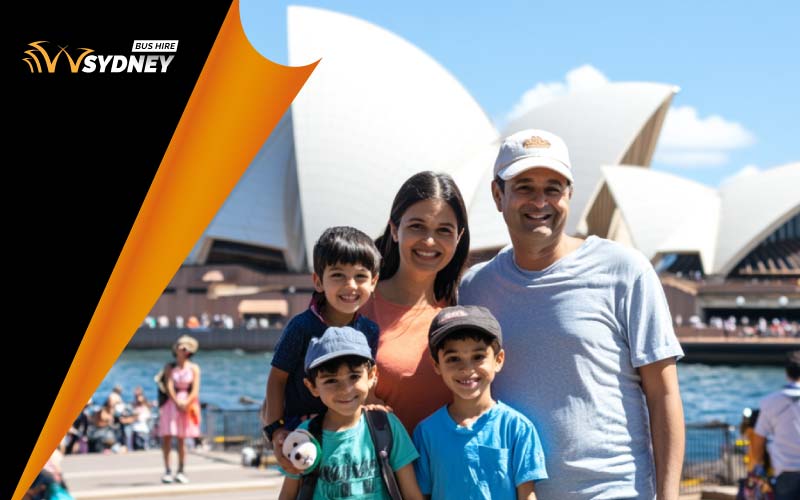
[[382, 439], [309, 481]]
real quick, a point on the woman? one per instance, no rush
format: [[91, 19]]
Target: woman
[[141, 424], [179, 416], [424, 248]]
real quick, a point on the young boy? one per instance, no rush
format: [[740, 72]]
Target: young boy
[[475, 447], [346, 265], [340, 370]]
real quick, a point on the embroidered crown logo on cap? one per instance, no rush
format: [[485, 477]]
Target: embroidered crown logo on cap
[[535, 142], [529, 149]]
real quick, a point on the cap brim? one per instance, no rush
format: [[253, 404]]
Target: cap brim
[[436, 337], [532, 162], [338, 354]]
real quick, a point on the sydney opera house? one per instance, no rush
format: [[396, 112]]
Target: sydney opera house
[[377, 110]]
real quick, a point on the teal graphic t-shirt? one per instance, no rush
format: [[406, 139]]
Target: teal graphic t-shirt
[[349, 467]]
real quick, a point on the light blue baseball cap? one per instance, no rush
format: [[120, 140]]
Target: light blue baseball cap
[[337, 341]]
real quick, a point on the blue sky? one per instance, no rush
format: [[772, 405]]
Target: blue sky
[[737, 64]]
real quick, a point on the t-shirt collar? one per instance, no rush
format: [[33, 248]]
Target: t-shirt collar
[[314, 305]]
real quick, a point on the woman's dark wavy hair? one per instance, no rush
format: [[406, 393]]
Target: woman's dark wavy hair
[[420, 187]]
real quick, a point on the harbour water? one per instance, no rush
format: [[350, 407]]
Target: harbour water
[[709, 393]]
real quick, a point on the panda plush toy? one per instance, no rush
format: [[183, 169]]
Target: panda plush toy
[[302, 449]]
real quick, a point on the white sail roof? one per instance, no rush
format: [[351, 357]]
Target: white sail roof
[[375, 111], [752, 207], [668, 214], [664, 211]]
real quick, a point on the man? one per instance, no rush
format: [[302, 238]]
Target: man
[[779, 420], [591, 351]]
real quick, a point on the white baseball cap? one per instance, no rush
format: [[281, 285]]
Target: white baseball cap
[[529, 149]]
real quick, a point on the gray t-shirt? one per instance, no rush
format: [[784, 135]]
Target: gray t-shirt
[[574, 335]]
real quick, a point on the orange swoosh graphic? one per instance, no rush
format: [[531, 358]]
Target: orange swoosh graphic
[[237, 101]]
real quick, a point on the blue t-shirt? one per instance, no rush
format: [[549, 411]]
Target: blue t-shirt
[[575, 334], [487, 461], [349, 466], [290, 353]]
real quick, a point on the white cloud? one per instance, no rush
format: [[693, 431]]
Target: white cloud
[[581, 78], [687, 140], [684, 129]]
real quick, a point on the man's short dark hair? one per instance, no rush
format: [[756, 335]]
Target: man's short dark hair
[[500, 183], [333, 366], [345, 245], [463, 334], [793, 365]]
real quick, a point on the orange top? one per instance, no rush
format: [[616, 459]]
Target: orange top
[[406, 380]]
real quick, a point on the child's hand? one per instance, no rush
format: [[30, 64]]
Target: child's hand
[[378, 406], [278, 437]]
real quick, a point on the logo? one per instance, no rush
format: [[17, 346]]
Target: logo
[[147, 56], [535, 142], [39, 51], [452, 315]]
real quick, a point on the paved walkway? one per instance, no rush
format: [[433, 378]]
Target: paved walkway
[[212, 475], [138, 475]]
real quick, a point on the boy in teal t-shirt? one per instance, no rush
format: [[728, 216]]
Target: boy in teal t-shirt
[[340, 370], [475, 447]]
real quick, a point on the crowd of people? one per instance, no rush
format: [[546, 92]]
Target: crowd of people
[[119, 427], [193, 322], [743, 326], [115, 426], [207, 321]]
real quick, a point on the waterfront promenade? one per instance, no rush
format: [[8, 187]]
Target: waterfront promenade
[[135, 475], [213, 475], [737, 350], [701, 346]]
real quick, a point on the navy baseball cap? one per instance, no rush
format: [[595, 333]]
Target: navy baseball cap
[[337, 341], [455, 318]]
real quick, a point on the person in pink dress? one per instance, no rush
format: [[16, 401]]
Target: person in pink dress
[[179, 416], [424, 249]]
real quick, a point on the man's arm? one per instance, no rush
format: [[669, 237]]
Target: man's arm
[[660, 386], [758, 446]]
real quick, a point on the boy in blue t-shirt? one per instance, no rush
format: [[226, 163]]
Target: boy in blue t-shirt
[[346, 264], [340, 370], [475, 447]]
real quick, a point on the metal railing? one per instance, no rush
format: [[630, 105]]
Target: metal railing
[[714, 453], [231, 429], [714, 456]]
